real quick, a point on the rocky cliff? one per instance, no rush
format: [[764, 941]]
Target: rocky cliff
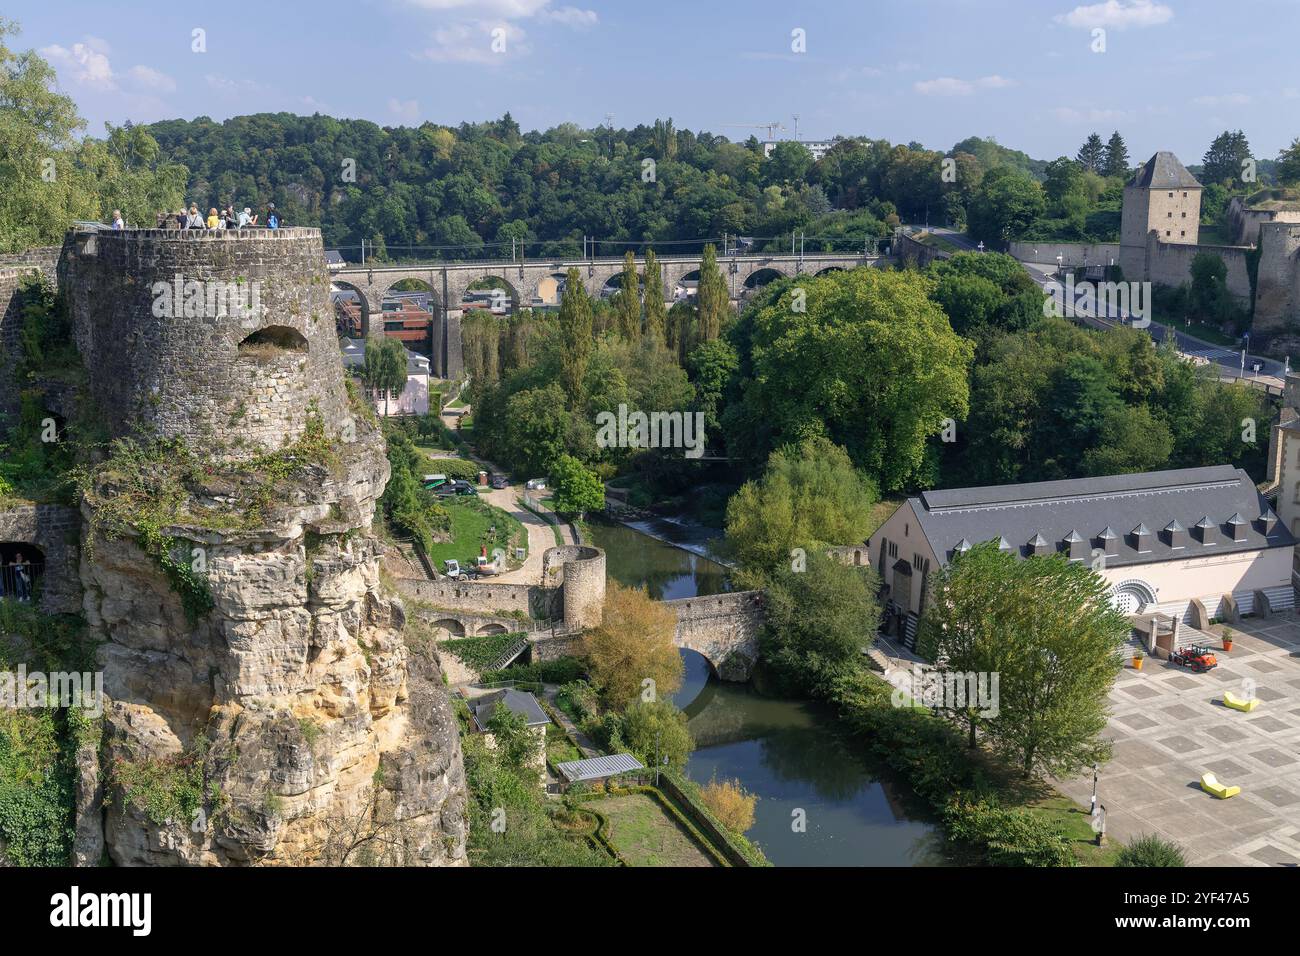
[[263, 705]]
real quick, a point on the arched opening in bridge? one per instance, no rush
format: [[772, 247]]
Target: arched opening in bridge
[[686, 287], [408, 309], [697, 671], [829, 269], [22, 565], [491, 293], [491, 629], [447, 628], [351, 310], [271, 342], [549, 289], [614, 285], [761, 277]]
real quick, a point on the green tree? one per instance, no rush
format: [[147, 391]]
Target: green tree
[[575, 333], [1210, 298], [633, 644], [817, 622], [629, 300], [1224, 160], [43, 189], [789, 162], [712, 301], [1116, 162], [960, 630], [515, 742], [810, 496], [1091, 155], [864, 358], [1003, 206], [578, 489], [1060, 638], [383, 371], [536, 427], [655, 732], [1288, 163], [655, 315]]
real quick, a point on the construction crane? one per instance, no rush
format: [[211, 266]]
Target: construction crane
[[770, 127]]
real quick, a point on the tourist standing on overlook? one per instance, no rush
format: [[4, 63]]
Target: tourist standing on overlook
[[118, 221], [246, 218], [214, 221], [194, 220], [272, 217]]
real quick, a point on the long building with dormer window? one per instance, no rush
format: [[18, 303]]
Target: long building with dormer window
[[1193, 543]]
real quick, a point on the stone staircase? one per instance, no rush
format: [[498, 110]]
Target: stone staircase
[[509, 654]]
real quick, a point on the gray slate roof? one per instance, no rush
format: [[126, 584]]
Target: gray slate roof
[[1164, 171], [1098, 508], [597, 768], [518, 701]]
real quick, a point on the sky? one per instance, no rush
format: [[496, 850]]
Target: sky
[[1033, 74]]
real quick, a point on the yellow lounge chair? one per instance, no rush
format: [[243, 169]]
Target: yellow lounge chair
[[1245, 705], [1210, 784]]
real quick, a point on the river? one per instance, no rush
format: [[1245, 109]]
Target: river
[[821, 801]]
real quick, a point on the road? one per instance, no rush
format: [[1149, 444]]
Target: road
[[1270, 372]]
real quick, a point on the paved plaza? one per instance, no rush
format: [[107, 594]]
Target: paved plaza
[[1169, 726]]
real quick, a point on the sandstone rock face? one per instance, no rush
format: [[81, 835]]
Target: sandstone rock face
[[290, 723], [315, 735]]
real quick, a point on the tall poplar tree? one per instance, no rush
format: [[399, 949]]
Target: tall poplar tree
[[629, 301], [575, 332], [711, 299], [655, 313]]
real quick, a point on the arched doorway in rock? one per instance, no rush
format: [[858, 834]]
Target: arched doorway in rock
[[22, 565]]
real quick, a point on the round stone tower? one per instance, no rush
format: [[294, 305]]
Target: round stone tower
[[225, 339], [584, 585]]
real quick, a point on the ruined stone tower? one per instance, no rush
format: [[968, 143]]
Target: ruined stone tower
[[1164, 198], [230, 571]]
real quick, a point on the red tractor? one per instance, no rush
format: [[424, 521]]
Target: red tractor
[[1195, 657]]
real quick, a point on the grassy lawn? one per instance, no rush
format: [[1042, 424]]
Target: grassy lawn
[[1075, 824], [1206, 333], [646, 836], [471, 524], [559, 749], [930, 239]]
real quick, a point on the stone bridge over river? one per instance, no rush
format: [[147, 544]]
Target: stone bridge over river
[[723, 628]]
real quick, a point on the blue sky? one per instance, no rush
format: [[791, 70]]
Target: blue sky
[[1173, 72]]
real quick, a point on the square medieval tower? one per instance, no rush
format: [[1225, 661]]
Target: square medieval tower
[[1162, 197]]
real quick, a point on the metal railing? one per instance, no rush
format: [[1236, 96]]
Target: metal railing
[[19, 580]]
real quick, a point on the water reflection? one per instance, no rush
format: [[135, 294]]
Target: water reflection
[[668, 572]]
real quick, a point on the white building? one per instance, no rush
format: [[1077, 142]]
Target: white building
[[414, 399], [1193, 543]]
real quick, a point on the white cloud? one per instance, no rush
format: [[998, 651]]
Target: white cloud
[[148, 78], [574, 17], [1118, 14], [475, 42], [86, 63], [1223, 99], [466, 32], [408, 111], [224, 84], [944, 86], [950, 86]]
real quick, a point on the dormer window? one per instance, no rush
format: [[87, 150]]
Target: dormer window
[[1237, 525], [1206, 531], [1107, 541], [1075, 546], [1141, 538], [1175, 535], [1038, 545]]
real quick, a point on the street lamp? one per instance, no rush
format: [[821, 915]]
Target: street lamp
[[1095, 770]]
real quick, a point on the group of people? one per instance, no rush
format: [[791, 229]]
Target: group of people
[[226, 218]]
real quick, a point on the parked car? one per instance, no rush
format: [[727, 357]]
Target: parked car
[[499, 481], [433, 482], [536, 484], [453, 488]]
